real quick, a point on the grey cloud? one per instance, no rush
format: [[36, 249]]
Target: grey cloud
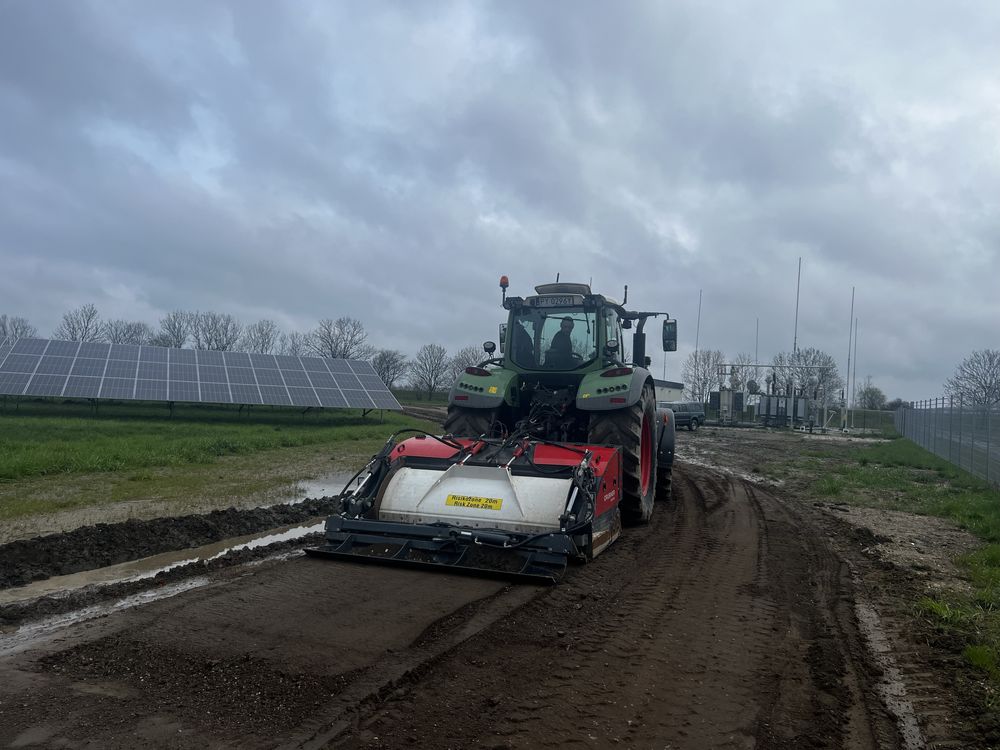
[[391, 162]]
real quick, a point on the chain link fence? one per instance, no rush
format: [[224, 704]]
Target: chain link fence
[[963, 434]]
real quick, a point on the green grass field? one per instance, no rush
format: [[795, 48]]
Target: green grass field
[[56, 456], [899, 475]]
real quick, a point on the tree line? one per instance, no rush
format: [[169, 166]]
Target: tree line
[[432, 369], [976, 380]]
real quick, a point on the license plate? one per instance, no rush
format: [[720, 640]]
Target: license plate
[[564, 300], [477, 503]]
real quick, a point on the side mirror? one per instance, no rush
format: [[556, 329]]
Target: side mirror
[[670, 335], [503, 335], [489, 347]]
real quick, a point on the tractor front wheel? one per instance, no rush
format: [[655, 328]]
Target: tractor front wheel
[[633, 431]]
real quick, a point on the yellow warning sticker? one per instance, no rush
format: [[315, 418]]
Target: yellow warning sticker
[[493, 389], [478, 503]]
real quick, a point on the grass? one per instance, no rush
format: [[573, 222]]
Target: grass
[[900, 475], [61, 455], [419, 398]]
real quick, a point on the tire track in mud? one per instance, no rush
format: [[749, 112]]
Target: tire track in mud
[[723, 624], [728, 622]]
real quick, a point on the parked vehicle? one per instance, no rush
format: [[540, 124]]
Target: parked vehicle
[[690, 414]]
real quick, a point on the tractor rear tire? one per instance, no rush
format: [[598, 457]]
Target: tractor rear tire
[[633, 431], [469, 423]]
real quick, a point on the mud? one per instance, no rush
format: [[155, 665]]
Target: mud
[[83, 600], [101, 545], [719, 625], [739, 617]]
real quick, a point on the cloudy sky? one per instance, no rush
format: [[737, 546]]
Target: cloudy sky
[[388, 161]]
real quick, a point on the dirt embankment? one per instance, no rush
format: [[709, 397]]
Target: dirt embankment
[[98, 546]]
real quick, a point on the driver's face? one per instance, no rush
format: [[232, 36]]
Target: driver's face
[[566, 325]]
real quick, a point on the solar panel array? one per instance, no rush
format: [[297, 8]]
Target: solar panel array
[[71, 369]]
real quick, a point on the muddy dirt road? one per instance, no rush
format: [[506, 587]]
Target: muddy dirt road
[[728, 622]]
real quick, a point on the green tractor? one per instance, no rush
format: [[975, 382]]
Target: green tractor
[[562, 378]]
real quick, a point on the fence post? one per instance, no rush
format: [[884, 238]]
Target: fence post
[[934, 428], [927, 424], [951, 425], [960, 404], [989, 418], [926, 438]]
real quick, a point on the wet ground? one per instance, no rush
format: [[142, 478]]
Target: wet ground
[[739, 618]]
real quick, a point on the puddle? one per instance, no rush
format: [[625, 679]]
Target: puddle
[[148, 567], [28, 635], [327, 485]]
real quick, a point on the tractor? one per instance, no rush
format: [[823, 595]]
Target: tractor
[[550, 445]]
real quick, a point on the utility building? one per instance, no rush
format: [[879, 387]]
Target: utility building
[[668, 390]]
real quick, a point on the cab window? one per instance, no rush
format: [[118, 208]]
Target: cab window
[[554, 338]]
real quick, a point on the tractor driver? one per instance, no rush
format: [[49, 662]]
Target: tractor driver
[[560, 353]]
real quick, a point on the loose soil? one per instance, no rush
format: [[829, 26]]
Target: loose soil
[[106, 544], [740, 617]]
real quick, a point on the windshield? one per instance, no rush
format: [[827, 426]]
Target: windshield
[[553, 338]]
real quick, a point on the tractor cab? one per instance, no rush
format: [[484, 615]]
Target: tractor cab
[[563, 328]]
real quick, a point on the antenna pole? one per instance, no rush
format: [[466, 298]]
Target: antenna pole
[[854, 376], [847, 373], [798, 282], [697, 330]]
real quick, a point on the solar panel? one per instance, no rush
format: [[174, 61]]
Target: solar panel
[[44, 367]]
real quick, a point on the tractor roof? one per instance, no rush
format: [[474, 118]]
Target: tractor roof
[[562, 288]]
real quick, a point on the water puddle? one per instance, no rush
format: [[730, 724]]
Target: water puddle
[[327, 485], [27, 635], [148, 567]]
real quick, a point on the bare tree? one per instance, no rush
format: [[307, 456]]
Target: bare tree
[[15, 327], [344, 338], [870, 396], [216, 331], [175, 329], [390, 365], [293, 344], [742, 372], [429, 369], [127, 332], [467, 356], [81, 324], [809, 371], [977, 378], [261, 337], [701, 373], [160, 339]]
